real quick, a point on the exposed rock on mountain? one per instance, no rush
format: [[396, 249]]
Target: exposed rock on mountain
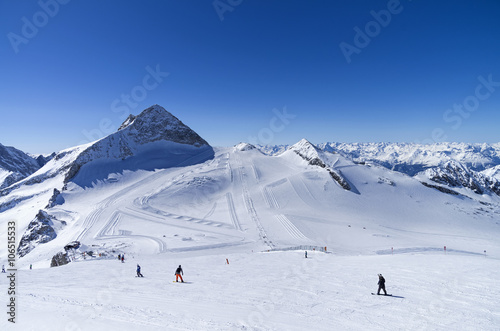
[[153, 139], [56, 199], [60, 259], [42, 160], [455, 174], [39, 231], [15, 165]]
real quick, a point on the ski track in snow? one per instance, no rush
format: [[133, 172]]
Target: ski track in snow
[[144, 212], [211, 211], [290, 227], [302, 191], [108, 231], [256, 173], [269, 195], [143, 205], [250, 206], [232, 212]]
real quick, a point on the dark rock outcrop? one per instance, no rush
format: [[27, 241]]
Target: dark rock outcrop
[[154, 124], [55, 199], [59, 259], [456, 175], [310, 153], [39, 231], [19, 164]]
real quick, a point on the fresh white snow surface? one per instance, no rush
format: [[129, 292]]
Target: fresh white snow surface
[[260, 213]]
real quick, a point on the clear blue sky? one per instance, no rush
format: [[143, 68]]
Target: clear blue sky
[[66, 69]]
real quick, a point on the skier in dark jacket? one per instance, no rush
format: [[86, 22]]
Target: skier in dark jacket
[[178, 273], [139, 271], [381, 284]]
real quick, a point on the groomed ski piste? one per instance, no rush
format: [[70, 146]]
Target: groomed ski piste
[[239, 224]]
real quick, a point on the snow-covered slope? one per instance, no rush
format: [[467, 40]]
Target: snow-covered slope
[[492, 172], [245, 198], [239, 221], [261, 213]]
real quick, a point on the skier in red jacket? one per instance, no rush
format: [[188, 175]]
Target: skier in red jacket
[[178, 274]]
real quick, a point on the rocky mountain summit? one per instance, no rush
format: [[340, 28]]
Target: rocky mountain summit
[[146, 133]]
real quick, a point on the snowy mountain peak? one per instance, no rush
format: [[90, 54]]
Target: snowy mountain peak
[[156, 123], [244, 147], [153, 139], [303, 144], [305, 149]]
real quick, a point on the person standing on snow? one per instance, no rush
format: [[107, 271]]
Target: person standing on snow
[[381, 284], [306, 254], [139, 271], [178, 273], [3, 268]]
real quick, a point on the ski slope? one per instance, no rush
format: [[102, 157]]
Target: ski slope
[[263, 291], [254, 210]]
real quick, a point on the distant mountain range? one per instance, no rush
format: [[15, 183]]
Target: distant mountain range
[[456, 165]]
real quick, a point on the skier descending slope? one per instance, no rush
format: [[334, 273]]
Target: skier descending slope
[[381, 284], [139, 271], [178, 273]]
